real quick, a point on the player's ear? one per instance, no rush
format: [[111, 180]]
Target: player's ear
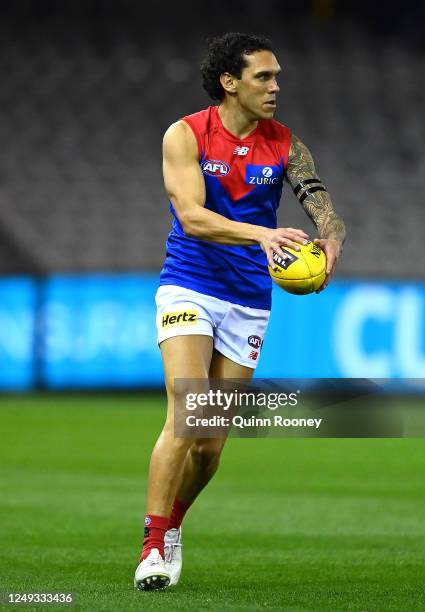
[[228, 82]]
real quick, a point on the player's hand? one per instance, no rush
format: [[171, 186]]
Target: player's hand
[[332, 249], [273, 239]]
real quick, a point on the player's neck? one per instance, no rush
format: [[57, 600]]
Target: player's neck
[[235, 121]]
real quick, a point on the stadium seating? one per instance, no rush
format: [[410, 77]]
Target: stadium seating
[[82, 120]]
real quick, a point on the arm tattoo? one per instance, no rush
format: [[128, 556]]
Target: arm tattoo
[[312, 194]]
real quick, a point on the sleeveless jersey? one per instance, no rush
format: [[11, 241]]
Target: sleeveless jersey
[[243, 181]]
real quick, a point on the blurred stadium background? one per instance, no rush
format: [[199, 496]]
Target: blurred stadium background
[[88, 89]]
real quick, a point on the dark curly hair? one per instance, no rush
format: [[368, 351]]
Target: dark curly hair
[[226, 54]]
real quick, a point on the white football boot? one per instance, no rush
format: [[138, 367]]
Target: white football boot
[[152, 573], [173, 554]]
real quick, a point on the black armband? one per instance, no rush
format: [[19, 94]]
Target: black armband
[[308, 192], [318, 186], [302, 184]]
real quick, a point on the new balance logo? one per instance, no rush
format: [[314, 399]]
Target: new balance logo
[[253, 355], [241, 151]]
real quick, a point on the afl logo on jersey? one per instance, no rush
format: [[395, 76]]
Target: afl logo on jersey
[[215, 167]]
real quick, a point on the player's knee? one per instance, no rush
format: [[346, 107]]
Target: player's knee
[[206, 454], [179, 391]]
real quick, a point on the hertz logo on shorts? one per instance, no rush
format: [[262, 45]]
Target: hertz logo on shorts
[[183, 317]]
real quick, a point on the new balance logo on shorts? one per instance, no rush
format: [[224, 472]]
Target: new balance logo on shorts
[[182, 317], [253, 355]]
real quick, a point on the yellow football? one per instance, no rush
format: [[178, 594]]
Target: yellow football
[[303, 272]]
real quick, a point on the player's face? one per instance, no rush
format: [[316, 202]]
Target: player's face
[[257, 88]]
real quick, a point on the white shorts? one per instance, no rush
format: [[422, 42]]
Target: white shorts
[[238, 331]]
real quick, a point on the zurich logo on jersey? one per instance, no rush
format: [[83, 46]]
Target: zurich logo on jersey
[[215, 167], [263, 175]]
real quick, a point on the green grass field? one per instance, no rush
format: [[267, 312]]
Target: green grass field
[[287, 524]]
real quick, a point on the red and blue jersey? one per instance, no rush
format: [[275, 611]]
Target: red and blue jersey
[[243, 181]]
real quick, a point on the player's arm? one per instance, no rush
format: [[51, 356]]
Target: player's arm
[[185, 185], [317, 203]]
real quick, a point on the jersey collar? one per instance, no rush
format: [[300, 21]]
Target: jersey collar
[[231, 136]]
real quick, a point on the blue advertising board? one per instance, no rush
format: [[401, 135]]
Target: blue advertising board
[[99, 332], [17, 330], [352, 329]]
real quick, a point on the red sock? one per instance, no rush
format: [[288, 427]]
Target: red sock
[[180, 507], [155, 528]]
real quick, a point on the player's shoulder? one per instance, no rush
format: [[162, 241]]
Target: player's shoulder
[[191, 129], [177, 129], [180, 140], [203, 120], [275, 130]]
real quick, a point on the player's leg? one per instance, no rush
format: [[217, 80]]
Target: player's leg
[[183, 357], [203, 456], [187, 356], [201, 463], [237, 346]]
